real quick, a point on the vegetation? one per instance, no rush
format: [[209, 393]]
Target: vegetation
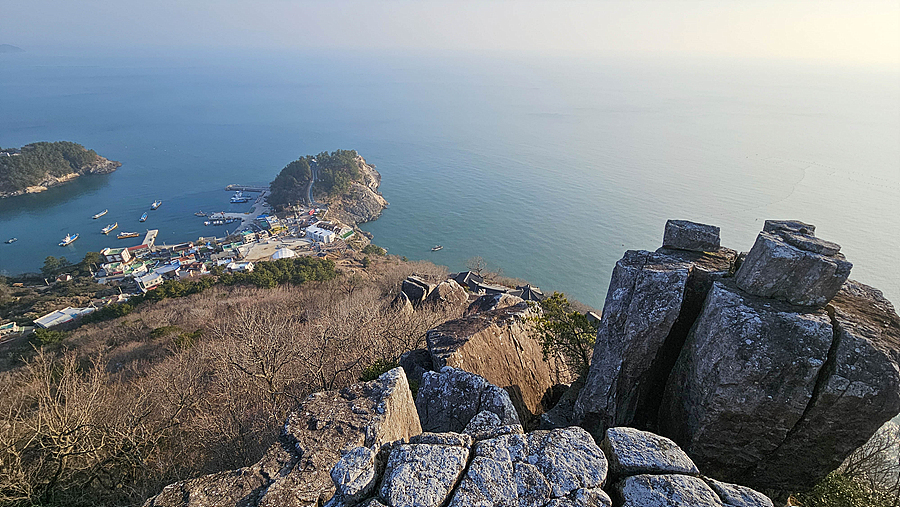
[[38, 161], [566, 332], [335, 172], [373, 249], [189, 384]]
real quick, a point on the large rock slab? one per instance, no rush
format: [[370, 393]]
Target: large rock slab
[[666, 491], [487, 483], [652, 301], [857, 391], [685, 235], [422, 475], [800, 269], [448, 293], [634, 452], [448, 400], [734, 495], [416, 289], [490, 302], [744, 378], [499, 345], [295, 472]]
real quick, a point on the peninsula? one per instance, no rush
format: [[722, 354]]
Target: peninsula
[[38, 166]]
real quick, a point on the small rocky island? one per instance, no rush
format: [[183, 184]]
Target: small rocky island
[[38, 166], [341, 180]]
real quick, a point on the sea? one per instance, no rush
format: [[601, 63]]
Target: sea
[[547, 167]]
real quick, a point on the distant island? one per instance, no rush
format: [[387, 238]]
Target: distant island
[[38, 166], [9, 48], [343, 181]]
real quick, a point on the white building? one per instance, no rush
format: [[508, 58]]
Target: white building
[[58, 317], [321, 235], [149, 281]]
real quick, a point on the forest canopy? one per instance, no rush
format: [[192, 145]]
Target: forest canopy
[[36, 162], [335, 172]]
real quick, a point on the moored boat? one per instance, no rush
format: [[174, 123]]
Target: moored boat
[[239, 197], [157, 203], [69, 239], [435, 248], [123, 235], [144, 217], [109, 227], [200, 214], [98, 215]]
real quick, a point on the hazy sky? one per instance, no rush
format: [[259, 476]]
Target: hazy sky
[[848, 32]]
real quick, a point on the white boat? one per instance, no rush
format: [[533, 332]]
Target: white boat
[[123, 235], [11, 240], [435, 248], [109, 227], [155, 204], [239, 197], [69, 239], [98, 215], [144, 217]]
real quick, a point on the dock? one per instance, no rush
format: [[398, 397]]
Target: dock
[[245, 188], [150, 238]]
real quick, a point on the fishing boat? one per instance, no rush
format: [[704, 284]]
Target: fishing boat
[[69, 239], [200, 214], [11, 240], [98, 215], [435, 248], [156, 204], [123, 235], [144, 217], [239, 197], [109, 227]]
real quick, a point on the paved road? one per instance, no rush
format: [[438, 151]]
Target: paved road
[[313, 169]]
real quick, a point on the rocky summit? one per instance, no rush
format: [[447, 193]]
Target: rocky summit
[[716, 377]]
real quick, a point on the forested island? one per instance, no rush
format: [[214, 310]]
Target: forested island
[[343, 180], [38, 166]]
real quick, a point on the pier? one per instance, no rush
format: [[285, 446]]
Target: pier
[[150, 238], [245, 188]]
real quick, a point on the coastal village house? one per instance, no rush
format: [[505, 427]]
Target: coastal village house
[[67, 314], [9, 328], [111, 255], [319, 234]]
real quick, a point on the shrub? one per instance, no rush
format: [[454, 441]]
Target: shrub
[[375, 370], [839, 490]]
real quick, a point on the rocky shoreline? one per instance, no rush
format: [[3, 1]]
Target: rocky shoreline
[[101, 166], [362, 202]]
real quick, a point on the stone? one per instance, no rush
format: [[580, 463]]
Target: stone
[[568, 458], [652, 300], [795, 226], [490, 302], [583, 498], [734, 495], [634, 452], [665, 491], [487, 483], [415, 363], [685, 235], [448, 293], [482, 421], [449, 399], [295, 471], [500, 346], [776, 268], [532, 488], [743, 379], [857, 391], [496, 431], [355, 475], [452, 439], [422, 475], [810, 243], [416, 289]]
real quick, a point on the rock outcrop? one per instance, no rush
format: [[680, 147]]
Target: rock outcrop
[[361, 202], [768, 370], [448, 400], [295, 472], [498, 345]]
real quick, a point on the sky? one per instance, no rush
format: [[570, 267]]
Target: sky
[[859, 32]]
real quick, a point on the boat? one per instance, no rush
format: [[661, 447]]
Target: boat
[[144, 217], [98, 215], [200, 214], [69, 239], [156, 204], [435, 248], [123, 235], [239, 197], [109, 227], [11, 240]]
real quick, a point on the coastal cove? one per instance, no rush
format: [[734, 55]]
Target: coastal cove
[[547, 169]]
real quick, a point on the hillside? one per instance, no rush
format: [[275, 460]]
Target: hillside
[[38, 166], [344, 182], [9, 48]]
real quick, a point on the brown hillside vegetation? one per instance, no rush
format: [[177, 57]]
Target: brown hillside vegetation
[[189, 386]]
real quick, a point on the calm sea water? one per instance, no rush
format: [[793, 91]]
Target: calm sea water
[[547, 168]]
